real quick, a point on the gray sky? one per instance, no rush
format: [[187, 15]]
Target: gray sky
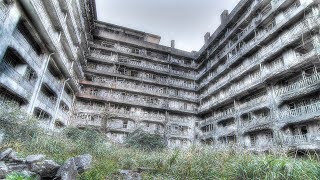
[[185, 21]]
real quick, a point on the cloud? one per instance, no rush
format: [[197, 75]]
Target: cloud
[[185, 21]]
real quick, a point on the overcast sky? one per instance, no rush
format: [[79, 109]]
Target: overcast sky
[[185, 21]]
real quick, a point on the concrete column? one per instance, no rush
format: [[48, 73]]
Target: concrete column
[[173, 43], [7, 27], [206, 38], [54, 117], [38, 85]]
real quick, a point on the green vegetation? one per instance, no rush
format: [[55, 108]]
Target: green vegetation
[[194, 163], [19, 176], [145, 141]]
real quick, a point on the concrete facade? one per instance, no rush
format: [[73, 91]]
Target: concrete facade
[[254, 84]]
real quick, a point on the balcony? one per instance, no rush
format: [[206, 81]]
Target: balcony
[[67, 98], [47, 103], [15, 81], [255, 123], [253, 80], [161, 81], [154, 117], [304, 84], [226, 131], [262, 144], [301, 113], [311, 20], [63, 116], [76, 34], [61, 16], [163, 69], [143, 89], [257, 102], [49, 31], [53, 82], [36, 61], [302, 140]]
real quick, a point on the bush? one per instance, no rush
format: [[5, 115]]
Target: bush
[[145, 141]]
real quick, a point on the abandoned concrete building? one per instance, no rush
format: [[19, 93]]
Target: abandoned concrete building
[[254, 84]]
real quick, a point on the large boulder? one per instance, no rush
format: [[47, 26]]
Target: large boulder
[[5, 154], [35, 158], [68, 171], [46, 168], [83, 162]]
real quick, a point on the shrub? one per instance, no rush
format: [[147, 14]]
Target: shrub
[[145, 141], [20, 176]]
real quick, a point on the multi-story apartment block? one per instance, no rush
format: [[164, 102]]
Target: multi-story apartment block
[[254, 84], [42, 50]]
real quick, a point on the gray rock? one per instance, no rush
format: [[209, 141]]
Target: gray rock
[[68, 171], [83, 162], [5, 154], [13, 157], [35, 158], [17, 166], [46, 168], [3, 170]]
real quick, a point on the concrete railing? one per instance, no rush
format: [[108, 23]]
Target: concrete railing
[[53, 35], [300, 84], [8, 71], [137, 101], [259, 38], [37, 59], [142, 64], [53, 82], [124, 113], [301, 111], [143, 76], [62, 19], [48, 102]]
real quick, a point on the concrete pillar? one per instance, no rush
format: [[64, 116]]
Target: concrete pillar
[[38, 85], [224, 17], [54, 117], [173, 43], [206, 38]]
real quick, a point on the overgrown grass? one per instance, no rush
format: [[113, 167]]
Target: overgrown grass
[[194, 163]]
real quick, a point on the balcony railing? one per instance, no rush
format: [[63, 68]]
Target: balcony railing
[[223, 131], [53, 35], [144, 89], [253, 102], [259, 38], [296, 140], [67, 97], [247, 124], [48, 102], [142, 64], [53, 82], [62, 19], [8, 71], [37, 60], [123, 113], [301, 111], [145, 77], [300, 84], [73, 21], [252, 80], [138, 101]]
